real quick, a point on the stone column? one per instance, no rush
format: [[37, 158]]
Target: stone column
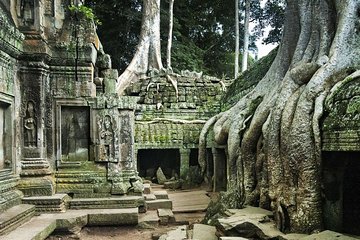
[[184, 163], [35, 172]]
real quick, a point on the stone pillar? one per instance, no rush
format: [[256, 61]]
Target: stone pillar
[[220, 169], [184, 163], [35, 172]]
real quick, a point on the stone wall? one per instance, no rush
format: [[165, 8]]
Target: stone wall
[[170, 114], [72, 133], [10, 49]]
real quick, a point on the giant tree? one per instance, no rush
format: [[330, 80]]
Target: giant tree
[[273, 133], [148, 51]]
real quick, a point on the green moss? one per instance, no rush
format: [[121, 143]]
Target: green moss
[[247, 81]]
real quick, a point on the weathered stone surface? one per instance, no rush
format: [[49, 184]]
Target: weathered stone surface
[[162, 194], [102, 203], [176, 184], [204, 232], [177, 234], [250, 222], [166, 216], [54, 203], [15, 216], [160, 203], [147, 188], [114, 217], [150, 217], [160, 176]]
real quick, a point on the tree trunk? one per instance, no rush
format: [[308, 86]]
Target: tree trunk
[[237, 38], [246, 36], [148, 52], [273, 133], [171, 18]]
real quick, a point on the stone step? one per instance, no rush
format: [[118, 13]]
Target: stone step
[[151, 217], [156, 204], [166, 216], [161, 194], [46, 204], [42, 226], [149, 197], [204, 232], [107, 203], [15, 216]]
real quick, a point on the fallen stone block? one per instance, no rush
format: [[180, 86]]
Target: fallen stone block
[[250, 222], [173, 184], [204, 232], [161, 178]]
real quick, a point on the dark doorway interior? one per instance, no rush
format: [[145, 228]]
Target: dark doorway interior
[[341, 191], [149, 160], [351, 193]]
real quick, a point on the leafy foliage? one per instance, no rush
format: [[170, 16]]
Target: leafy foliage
[[85, 11], [204, 32]]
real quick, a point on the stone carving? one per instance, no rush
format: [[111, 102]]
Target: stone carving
[[27, 11], [108, 141], [30, 130]]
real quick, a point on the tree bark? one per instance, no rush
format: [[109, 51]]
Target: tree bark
[[246, 36], [171, 17], [148, 52], [237, 39], [273, 133]]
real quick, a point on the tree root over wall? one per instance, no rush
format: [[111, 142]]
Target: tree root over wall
[[273, 133]]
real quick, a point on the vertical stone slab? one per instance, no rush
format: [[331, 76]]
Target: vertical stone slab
[[184, 163]]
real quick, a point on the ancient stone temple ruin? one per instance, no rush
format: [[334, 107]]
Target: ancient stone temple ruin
[[68, 141]]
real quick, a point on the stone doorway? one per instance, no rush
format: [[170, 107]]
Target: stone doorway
[[341, 188], [149, 160]]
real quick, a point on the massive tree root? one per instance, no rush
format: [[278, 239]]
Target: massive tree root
[[273, 133]]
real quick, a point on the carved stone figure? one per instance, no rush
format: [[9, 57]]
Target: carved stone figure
[[107, 138], [30, 131], [27, 11]]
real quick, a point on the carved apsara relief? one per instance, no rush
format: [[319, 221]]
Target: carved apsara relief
[[30, 126], [108, 141]]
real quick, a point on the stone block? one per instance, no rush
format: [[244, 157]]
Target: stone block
[[162, 194], [204, 232], [147, 188], [150, 217], [161, 203], [114, 217], [54, 203], [166, 216], [149, 197], [109, 73], [109, 85]]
